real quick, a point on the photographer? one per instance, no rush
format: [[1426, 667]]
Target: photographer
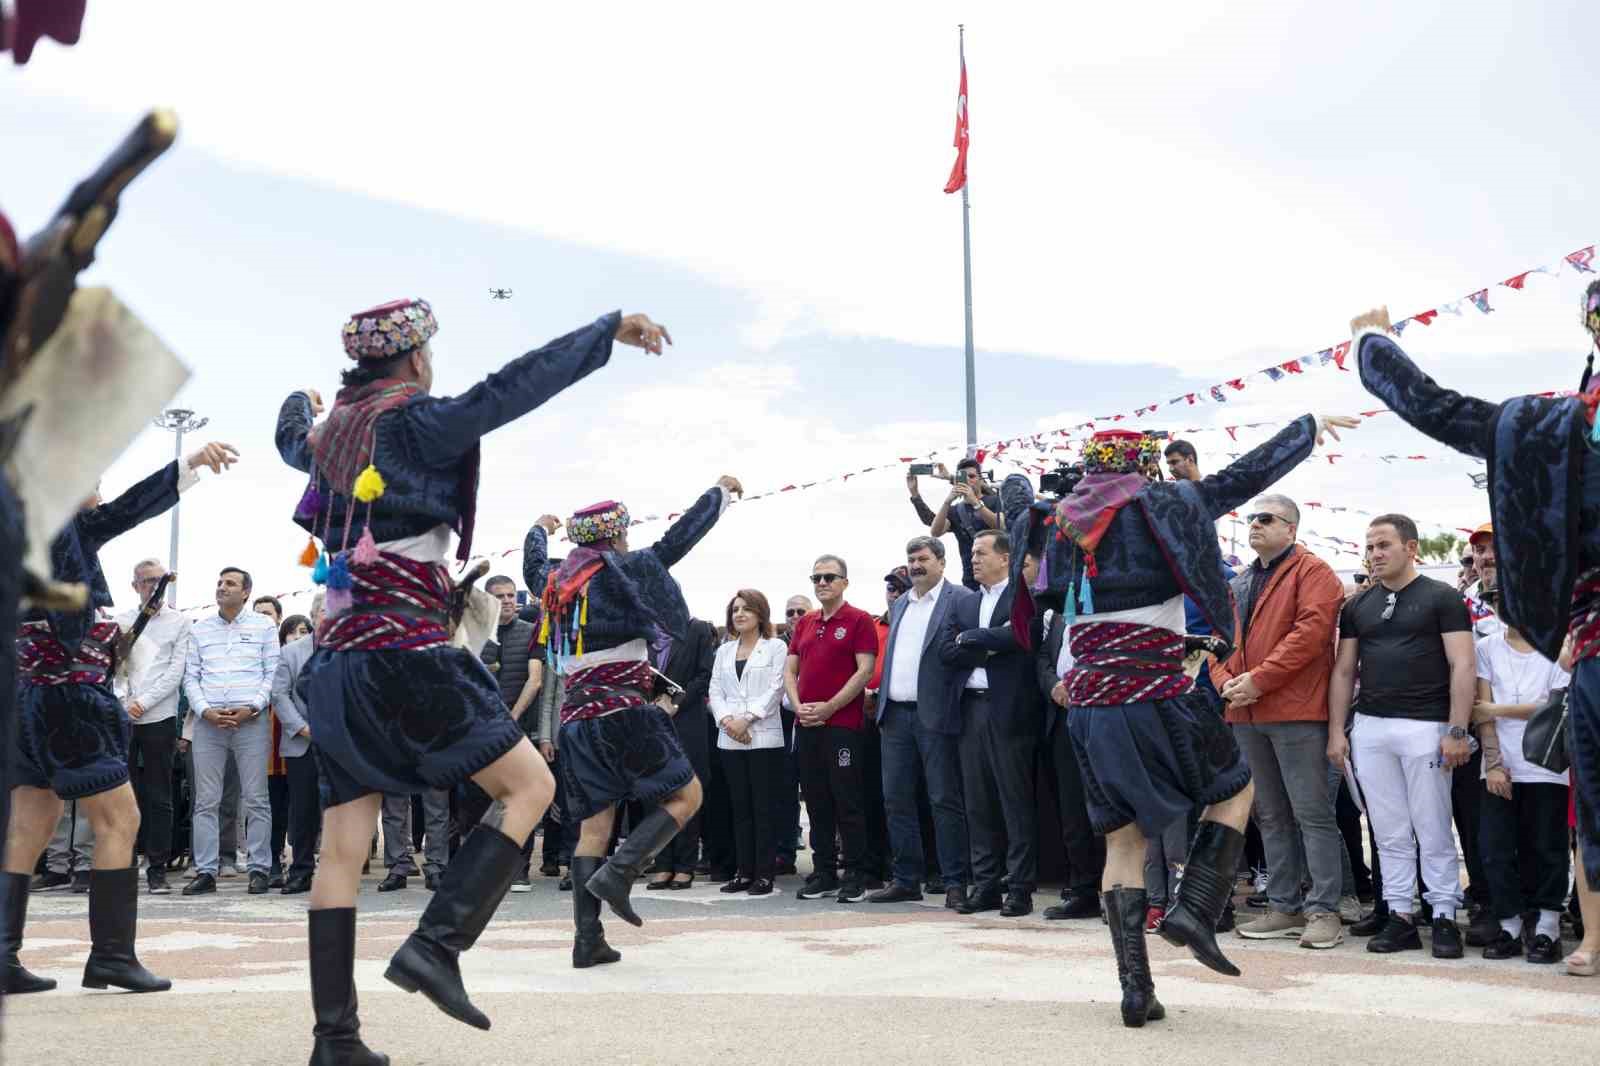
[[972, 507]]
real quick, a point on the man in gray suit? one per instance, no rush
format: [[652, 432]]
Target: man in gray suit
[[305, 800], [919, 720]]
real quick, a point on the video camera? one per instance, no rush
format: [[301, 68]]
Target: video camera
[[1062, 480]]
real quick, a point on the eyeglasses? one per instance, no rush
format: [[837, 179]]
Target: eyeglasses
[[826, 579], [1361, 579], [1264, 518], [1388, 611], [795, 612]]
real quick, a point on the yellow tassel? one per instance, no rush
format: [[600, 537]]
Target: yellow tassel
[[583, 611], [369, 486], [308, 557], [579, 649], [544, 629]]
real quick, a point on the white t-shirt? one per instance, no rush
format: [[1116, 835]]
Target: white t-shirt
[[1518, 677]]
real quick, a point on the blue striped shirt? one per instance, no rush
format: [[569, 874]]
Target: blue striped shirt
[[231, 664]]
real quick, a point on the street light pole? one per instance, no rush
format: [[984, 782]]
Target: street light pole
[[177, 420]]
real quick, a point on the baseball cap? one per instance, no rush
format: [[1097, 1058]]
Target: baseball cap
[[1485, 530]]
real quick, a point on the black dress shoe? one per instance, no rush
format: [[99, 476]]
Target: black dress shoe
[[761, 886], [550, 869], [979, 902], [1074, 904], [1484, 928], [566, 884], [50, 881], [275, 880], [1018, 902], [258, 883], [658, 886], [430, 882], [200, 886], [934, 887], [738, 884], [1504, 946], [895, 893], [954, 897], [80, 883], [293, 886], [392, 883], [1544, 950]]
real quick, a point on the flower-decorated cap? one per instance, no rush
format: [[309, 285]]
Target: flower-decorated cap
[[389, 329], [597, 522], [1120, 451]]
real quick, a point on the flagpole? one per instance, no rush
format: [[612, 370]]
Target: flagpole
[[966, 267]]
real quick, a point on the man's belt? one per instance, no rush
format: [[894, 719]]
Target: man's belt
[[1117, 663]]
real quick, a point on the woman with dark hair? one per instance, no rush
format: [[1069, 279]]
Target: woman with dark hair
[[293, 628], [746, 687]]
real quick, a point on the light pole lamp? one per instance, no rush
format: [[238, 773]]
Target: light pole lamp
[[178, 420]]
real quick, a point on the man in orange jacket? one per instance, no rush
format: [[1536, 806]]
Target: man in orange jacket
[[1275, 686]]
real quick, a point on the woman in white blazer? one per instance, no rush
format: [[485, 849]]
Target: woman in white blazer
[[746, 687]]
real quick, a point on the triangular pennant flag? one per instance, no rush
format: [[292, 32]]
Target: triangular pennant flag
[[1480, 300], [1582, 259], [1233, 432], [1273, 373], [1190, 398], [1451, 308], [1325, 356], [1400, 326], [1236, 384], [1517, 282], [1427, 317], [1292, 366], [1218, 395]]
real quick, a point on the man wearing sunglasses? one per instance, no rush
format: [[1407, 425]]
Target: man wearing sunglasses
[[831, 655], [1411, 638]]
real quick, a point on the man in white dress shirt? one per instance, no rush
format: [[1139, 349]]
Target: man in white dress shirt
[[149, 693]]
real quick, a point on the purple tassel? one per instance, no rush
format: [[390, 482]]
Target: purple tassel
[[365, 552], [310, 504], [336, 602], [339, 573]]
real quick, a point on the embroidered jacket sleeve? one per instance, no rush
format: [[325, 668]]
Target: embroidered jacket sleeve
[[1462, 422], [691, 527], [151, 497], [1254, 472], [535, 557], [451, 426]]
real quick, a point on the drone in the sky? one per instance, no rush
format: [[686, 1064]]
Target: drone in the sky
[[500, 294]]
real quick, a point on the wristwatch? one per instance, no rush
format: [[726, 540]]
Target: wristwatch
[[1457, 733]]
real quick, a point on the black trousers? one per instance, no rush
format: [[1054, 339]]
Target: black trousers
[[151, 752], [1466, 798], [752, 777], [830, 759], [1524, 843], [998, 780], [1085, 852], [557, 851], [1349, 816], [787, 796], [877, 857], [683, 850], [278, 800], [716, 814], [304, 814]]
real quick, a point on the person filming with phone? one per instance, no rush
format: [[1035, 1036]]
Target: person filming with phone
[[972, 506]]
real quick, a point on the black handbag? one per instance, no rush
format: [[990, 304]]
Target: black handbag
[[1544, 743]]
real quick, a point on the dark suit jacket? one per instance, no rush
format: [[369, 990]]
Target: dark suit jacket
[[689, 664], [1013, 677], [938, 683], [1045, 660]]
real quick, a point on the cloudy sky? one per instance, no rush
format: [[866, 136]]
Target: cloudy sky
[[1162, 198]]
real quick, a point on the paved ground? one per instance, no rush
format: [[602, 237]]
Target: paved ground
[[734, 980]]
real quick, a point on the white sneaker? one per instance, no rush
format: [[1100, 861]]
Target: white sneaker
[[1322, 931], [1273, 925], [1350, 910]]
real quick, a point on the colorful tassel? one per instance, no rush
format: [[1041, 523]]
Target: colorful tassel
[[308, 557], [365, 552], [1070, 609], [319, 572], [310, 505], [1085, 595], [339, 572], [369, 486], [337, 602], [1594, 431]]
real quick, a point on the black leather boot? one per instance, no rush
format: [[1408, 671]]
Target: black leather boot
[[14, 979], [1191, 920], [613, 881], [113, 927], [472, 887], [1125, 912], [589, 947], [331, 934]]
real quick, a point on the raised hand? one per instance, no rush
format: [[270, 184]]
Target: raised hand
[[641, 332], [316, 402], [1377, 318], [731, 483], [1329, 426], [549, 523], [216, 455]]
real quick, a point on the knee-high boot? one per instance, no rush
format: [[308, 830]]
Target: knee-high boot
[[331, 934], [589, 947], [472, 887], [1125, 914], [1191, 920], [14, 977], [613, 881], [113, 927]]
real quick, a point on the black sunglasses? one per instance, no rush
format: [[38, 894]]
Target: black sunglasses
[[1264, 517], [1360, 579], [795, 612], [826, 579]]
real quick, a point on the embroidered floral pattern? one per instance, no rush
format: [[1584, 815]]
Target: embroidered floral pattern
[[389, 330]]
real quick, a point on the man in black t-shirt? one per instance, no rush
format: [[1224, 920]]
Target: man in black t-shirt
[[1411, 637], [972, 507]]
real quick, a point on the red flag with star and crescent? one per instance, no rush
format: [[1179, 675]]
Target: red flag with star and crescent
[[958, 173]]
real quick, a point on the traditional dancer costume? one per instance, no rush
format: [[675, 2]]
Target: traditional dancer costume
[[73, 732], [394, 708], [1124, 551], [1544, 495], [608, 616]]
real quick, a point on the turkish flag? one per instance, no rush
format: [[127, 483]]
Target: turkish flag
[[958, 173]]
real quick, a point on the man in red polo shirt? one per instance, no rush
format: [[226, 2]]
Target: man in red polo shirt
[[831, 655]]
